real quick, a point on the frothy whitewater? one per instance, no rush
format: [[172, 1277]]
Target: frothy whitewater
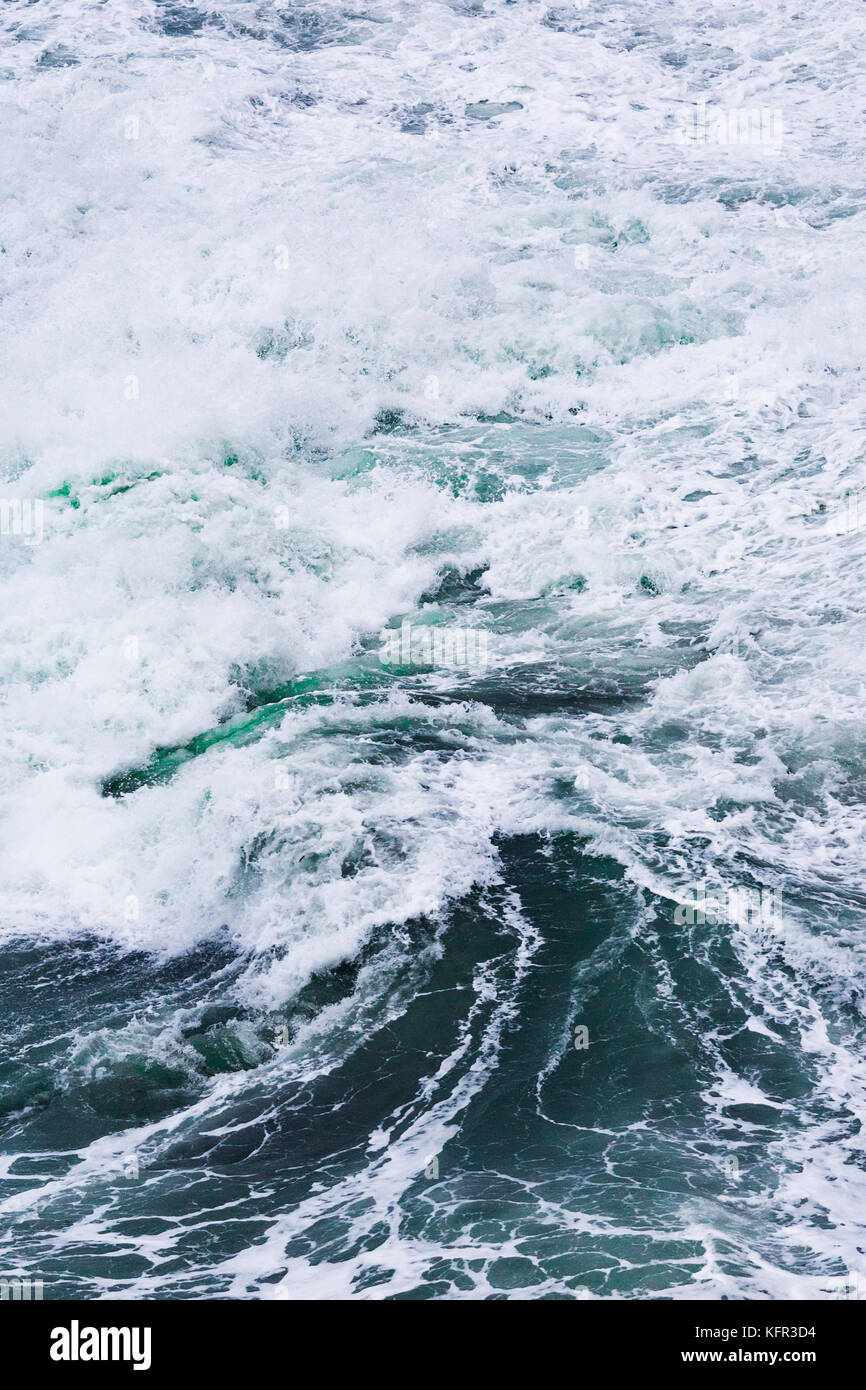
[[336, 959]]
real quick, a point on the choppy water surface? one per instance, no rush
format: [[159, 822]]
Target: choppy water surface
[[323, 976]]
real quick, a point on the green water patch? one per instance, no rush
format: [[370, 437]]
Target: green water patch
[[567, 584], [103, 488], [123, 479], [519, 693], [265, 710], [117, 489], [65, 493]]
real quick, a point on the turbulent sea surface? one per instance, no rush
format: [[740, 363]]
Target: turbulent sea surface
[[327, 977]]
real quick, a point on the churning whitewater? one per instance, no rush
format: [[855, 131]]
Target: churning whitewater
[[432, 559]]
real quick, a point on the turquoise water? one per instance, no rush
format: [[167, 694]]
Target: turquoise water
[[328, 973]]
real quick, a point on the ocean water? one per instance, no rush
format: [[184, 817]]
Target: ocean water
[[534, 976]]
